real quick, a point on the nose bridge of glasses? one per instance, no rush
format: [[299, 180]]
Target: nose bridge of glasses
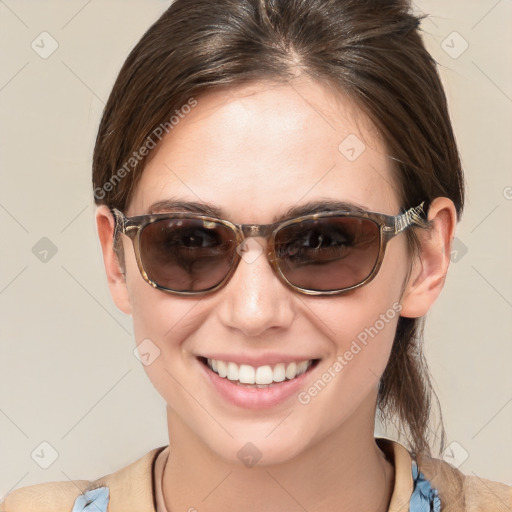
[[256, 230]]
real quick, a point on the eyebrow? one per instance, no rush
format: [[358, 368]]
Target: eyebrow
[[210, 210]]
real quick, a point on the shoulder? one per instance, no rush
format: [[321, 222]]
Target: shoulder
[[426, 483], [49, 497], [465, 493], [131, 484]]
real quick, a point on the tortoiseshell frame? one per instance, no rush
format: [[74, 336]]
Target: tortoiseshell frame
[[389, 226]]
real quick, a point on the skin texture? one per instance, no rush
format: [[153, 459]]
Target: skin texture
[[253, 151]]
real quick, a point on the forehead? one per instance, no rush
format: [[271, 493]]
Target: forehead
[[255, 150]]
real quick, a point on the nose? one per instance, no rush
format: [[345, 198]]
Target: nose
[[255, 300]]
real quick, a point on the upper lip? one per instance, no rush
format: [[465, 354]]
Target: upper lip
[[258, 360]]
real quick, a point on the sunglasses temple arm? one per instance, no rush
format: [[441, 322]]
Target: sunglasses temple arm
[[118, 222], [413, 217]]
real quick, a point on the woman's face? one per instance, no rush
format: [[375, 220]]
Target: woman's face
[[253, 152]]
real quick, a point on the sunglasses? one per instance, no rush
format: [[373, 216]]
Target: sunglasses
[[320, 254]]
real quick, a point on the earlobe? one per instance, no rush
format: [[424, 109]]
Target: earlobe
[[430, 265], [115, 276]]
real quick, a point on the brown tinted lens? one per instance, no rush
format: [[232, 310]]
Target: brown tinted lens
[[187, 254], [329, 253]]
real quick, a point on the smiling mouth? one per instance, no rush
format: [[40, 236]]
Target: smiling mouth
[[261, 376]]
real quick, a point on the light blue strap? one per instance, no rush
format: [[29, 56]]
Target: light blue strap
[[95, 500], [424, 497]]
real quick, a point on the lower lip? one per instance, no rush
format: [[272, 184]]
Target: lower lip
[[253, 397]]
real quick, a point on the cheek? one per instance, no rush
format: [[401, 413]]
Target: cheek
[[363, 336], [365, 353], [164, 319], [161, 327]]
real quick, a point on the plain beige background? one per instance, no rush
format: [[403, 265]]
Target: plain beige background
[[69, 378]]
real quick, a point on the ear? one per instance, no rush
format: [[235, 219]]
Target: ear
[[430, 266], [115, 275]]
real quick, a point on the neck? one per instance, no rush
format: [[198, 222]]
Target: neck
[[344, 472]]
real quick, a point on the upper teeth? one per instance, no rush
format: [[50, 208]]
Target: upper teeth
[[247, 374]]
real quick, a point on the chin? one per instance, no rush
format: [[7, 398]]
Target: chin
[[264, 444]]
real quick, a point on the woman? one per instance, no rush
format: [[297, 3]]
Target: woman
[[278, 186]]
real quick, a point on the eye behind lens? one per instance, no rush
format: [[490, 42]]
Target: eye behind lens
[[328, 254], [187, 255]]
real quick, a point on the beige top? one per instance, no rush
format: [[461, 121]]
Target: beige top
[[399, 457], [138, 487]]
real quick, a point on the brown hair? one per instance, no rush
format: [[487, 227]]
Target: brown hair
[[369, 49]]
